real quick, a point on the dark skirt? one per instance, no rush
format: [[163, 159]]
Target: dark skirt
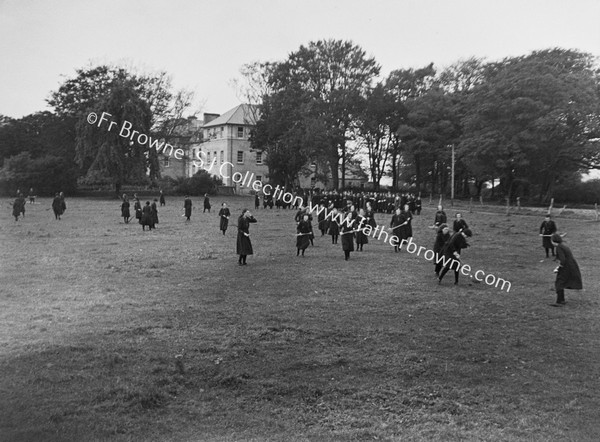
[[224, 223], [361, 238], [244, 246], [302, 241], [348, 242]]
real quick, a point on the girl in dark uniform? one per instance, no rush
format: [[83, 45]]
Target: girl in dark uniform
[[547, 229], [304, 231], [187, 207], [442, 237], [137, 206], [125, 213], [244, 246], [146, 219], [321, 219], [57, 206], [396, 225], [206, 203], [347, 235], [459, 223], [334, 227], [361, 238], [568, 275], [224, 215], [451, 252], [154, 213]]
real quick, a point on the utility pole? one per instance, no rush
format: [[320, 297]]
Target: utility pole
[[452, 185]]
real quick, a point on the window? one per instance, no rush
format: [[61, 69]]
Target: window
[[167, 162], [240, 132], [208, 157], [222, 131], [240, 156], [216, 158], [259, 178], [258, 157], [222, 156]]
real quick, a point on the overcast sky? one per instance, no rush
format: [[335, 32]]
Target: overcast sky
[[203, 44]]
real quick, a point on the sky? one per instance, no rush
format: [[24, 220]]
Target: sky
[[203, 44]]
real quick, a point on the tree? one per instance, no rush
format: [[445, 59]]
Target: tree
[[333, 75], [85, 92], [376, 127], [105, 154], [534, 118]]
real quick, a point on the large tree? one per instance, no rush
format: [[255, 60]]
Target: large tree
[[106, 154], [534, 118], [333, 75], [91, 86]]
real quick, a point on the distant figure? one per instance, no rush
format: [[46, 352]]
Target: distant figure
[[17, 207], [440, 217], [256, 202], [303, 233], [418, 205], [547, 229], [451, 252], [63, 204], [187, 207], [57, 206], [244, 246], [224, 215], [137, 206], [347, 233], [154, 209], [568, 275], [442, 237], [162, 199], [459, 223], [125, 213], [31, 196], [147, 217], [206, 203]]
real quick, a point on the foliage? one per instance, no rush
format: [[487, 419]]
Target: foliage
[[202, 182], [325, 80], [46, 175]]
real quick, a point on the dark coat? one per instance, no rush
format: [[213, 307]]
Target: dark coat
[[361, 238], [187, 206], [460, 224], [348, 238], [395, 224], [207, 202], [137, 206], [154, 213], [440, 218], [547, 228], [568, 276], [18, 207], [125, 209], [244, 246], [147, 216], [302, 241], [455, 244], [334, 227], [440, 241], [406, 230], [370, 218], [57, 206], [224, 215]]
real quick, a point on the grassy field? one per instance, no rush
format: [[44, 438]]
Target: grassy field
[[111, 333]]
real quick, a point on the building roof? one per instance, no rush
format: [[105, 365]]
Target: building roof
[[244, 114]]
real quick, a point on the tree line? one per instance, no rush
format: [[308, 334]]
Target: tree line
[[526, 124], [530, 125]]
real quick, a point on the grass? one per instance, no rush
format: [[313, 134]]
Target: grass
[[111, 333]]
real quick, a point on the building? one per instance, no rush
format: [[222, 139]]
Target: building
[[187, 133], [225, 148]]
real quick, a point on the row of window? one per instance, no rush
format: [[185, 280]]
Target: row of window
[[220, 132], [209, 159]]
